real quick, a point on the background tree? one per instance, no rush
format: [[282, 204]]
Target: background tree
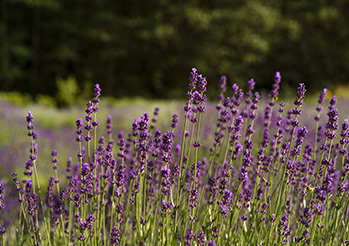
[[147, 47]]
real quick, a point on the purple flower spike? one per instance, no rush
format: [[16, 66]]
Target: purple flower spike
[[211, 243], [333, 102], [344, 132], [322, 96], [215, 231], [30, 117], [30, 126], [97, 91], [201, 238], [276, 87], [332, 123], [223, 81], [251, 84], [201, 84], [85, 169], [109, 125], [235, 89], [320, 101], [115, 236], [189, 237], [277, 78], [2, 230], [95, 100], [300, 95], [54, 159], [174, 121], [167, 140], [54, 153], [193, 79], [2, 206], [166, 184], [223, 88], [79, 130], [79, 123], [302, 133]]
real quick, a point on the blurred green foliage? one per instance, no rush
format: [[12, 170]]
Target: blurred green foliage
[[67, 90], [147, 48], [45, 100], [16, 98], [69, 93]]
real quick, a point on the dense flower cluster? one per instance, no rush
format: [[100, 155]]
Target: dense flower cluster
[[262, 178]]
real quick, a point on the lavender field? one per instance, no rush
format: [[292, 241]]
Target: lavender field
[[241, 169]]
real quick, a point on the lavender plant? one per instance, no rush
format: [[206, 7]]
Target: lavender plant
[[259, 179]]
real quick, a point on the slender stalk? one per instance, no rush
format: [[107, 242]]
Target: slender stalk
[[181, 158], [1, 225], [280, 200], [37, 181]]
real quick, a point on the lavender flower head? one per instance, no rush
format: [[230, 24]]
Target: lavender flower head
[[276, 87], [54, 159], [234, 88], [223, 88], [79, 130], [201, 84], [109, 125], [249, 94], [115, 235], [277, 78], [88, 126], [2, 206], [30, 126], [154, 119], [251, 84], [333, 102], [193, 79], [223, 82], [345, 136], [167, 144], [302, 133], [332, 123], [79, 124], [298, 103], [97, 93], [201, 238], [174, 121], [320, 102], [300, 95], [322, 96], [85, 169], [30, 117]]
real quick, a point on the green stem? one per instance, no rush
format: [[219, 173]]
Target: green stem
[[234, 217], [128, 208], [280, 200], [39, 196], [1, 224], [346, 226], [181, 159]]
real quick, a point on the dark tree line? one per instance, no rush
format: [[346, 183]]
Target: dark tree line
[[147, 48]]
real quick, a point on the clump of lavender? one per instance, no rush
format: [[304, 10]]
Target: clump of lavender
[[258, 179]]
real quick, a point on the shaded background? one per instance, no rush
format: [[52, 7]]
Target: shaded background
[[147, 48]]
